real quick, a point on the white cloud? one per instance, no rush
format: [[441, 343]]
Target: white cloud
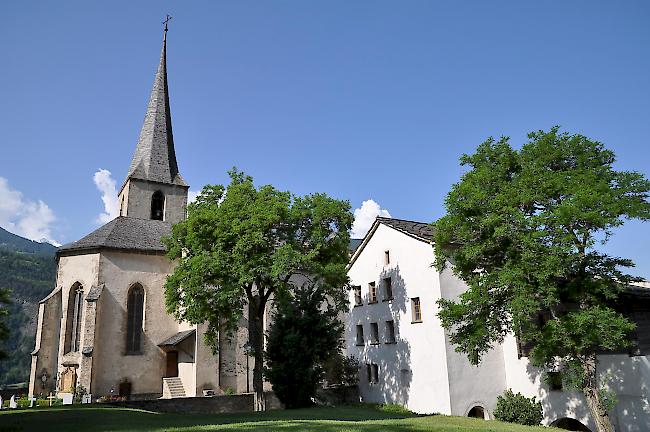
[[364, 216], [31, 219], [191, 196], [106, 185]]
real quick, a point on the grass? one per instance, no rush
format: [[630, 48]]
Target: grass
[[342, 419]]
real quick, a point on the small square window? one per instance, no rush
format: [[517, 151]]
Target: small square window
[[358, 301], [554, 380], [390, 332], [416, 310], [386, 257], [360, 340], [374, 333], [372, 292], [388, 288]]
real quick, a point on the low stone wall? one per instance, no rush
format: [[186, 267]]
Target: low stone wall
[[333, 396], [201, 405]]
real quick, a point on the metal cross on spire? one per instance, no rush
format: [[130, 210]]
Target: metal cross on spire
[[169, 17]]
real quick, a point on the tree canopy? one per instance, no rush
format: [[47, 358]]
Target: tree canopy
[[241, 244], [524, 229]]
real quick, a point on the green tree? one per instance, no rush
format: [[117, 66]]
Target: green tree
[[240, 245], [522, 230], [305, 333], [4, 315]]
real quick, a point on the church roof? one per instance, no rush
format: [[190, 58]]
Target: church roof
[[123, 233], [154, 158]]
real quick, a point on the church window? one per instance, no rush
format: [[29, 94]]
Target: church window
[[135, 312], [157, 206], [73, 318]]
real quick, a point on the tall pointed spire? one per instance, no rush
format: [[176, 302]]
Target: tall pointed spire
[[154, 158]]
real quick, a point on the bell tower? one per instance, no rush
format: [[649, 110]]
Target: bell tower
[[154, 189]]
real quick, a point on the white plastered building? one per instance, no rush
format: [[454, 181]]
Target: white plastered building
[[406, 357]]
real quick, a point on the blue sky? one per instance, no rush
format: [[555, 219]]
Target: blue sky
[[362, 100]]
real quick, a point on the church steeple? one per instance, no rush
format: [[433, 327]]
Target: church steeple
[[154, 189], [154, 158]]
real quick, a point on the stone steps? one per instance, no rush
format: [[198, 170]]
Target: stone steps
[[173, 388]]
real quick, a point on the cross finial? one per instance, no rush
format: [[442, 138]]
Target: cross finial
[[169, 17]]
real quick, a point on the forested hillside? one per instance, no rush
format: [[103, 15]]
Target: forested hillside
[[27, 268]]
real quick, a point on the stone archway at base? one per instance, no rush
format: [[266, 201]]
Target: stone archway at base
[[477, 412], [570, 424]]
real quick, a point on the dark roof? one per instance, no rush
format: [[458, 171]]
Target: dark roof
[[94, 293], [354, 244], [125, 233], [154, 158], [421, 230], [177, 338]]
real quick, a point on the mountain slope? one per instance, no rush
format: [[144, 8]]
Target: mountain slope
[[16, 243], [28, 269]]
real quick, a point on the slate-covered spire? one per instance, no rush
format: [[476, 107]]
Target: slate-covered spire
[[154, 158]]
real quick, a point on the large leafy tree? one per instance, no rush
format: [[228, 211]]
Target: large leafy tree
[[306, 332], [242, 244], [523, 229]]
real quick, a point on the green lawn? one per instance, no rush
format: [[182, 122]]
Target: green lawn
[[346, 419]]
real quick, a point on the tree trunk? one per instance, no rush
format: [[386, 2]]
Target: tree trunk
[[256, 338], [590, 389]]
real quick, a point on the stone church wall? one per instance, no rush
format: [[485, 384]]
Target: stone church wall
[[119, 271], [82, 269], [46, 351]]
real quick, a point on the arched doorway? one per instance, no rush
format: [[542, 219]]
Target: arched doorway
[[570, 424], [477, 412]]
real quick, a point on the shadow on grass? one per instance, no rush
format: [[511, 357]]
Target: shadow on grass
[[101, 418]]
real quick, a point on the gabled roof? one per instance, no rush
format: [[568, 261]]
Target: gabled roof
[[418, 230], [154, 158], [123, 233]]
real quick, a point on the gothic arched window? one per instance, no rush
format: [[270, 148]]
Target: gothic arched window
[[73, 318], [157, 205], [134, 318]]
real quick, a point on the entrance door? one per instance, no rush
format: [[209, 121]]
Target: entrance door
[[172, 364]]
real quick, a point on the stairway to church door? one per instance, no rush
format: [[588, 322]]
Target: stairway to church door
[[172, 364]]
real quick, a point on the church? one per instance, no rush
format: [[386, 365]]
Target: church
[[104, 329]]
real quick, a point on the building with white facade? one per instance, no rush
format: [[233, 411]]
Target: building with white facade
[[407, 359]]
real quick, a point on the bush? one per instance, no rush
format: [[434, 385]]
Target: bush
[[341, 370], [517, 408]]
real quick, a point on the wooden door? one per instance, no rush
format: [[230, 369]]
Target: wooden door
[[172, 364]]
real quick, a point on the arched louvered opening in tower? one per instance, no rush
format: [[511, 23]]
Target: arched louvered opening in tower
[[157, 206]]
